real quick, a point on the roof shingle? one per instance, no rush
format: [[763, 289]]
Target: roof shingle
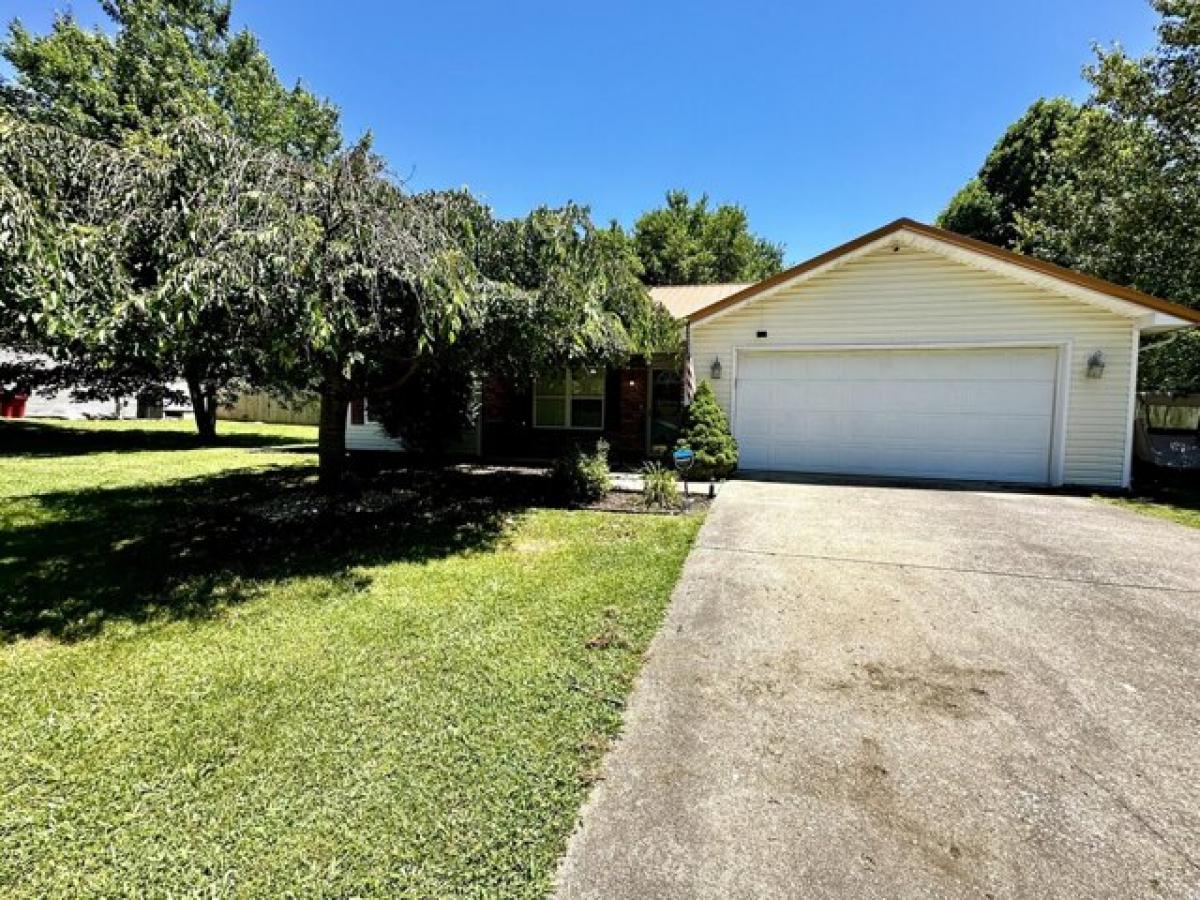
[[681, 300]]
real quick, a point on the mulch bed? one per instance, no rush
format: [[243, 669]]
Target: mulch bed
[[628, 502], [383, 492]]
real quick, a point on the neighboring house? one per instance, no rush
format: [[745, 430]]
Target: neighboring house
[[63, 405], [910, 351]]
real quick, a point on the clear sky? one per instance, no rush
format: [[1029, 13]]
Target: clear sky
[[823, 119]]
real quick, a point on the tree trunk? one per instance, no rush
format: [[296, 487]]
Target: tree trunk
[[204, 409], [331, 438]]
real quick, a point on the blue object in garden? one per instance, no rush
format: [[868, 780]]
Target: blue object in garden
[[684, 458]]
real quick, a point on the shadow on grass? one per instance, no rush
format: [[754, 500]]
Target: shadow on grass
[[1180, 489], [22, 438], [185, 549]]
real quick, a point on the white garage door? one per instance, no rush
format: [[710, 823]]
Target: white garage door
[[975, 414]]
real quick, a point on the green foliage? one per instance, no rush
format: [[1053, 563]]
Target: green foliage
[[685, 242], [1022, 161], [1113, 188], [430, 410], [1119, 211], [302, 667], [231, 246], [582, 477], [558, 291], [141, 266], [172, 85], [1171, 365], [551, 290], [975, 212], [660, 487], [165, 62], [706, 432]]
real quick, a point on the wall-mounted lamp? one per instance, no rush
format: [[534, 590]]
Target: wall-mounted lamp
[[716, 369], [1095, 365]]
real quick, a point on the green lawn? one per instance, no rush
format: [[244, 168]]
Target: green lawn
[[1177, 502], [215, 682]]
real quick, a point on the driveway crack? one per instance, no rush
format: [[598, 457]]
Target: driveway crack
[[999, 573]]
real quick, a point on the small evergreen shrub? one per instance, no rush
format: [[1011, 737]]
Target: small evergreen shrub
[[582, 477], [660, 487], [706, 432]]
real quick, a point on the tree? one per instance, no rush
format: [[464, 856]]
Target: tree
[[1112, 188], [685, 242], [175, 88], [706, 432], [144, 265], [1023, 160], [975, 212], [383, 286], [554, 291], [214, 259], [67, 209], [168, 61], [1127, 206]]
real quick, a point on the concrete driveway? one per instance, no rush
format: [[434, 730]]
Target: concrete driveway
[[902, 692]]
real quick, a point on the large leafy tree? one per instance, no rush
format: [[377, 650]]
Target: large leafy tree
[[384, 290], [296, 276], [174, 86], [1112, 188], [67, 209], [1022, 161], [166, 61], [689, 242], [552, 290], [172, 254]]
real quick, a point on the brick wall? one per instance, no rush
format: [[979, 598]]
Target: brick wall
[[508, 431]]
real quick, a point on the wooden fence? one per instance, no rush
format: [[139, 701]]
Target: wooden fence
[[264, 408]]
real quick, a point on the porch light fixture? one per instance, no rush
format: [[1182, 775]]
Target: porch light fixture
[[1095, 365], [716, 369]]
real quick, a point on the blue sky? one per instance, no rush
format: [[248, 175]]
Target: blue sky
[[824, 120]]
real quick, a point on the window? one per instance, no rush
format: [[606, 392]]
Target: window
[[570, 400]]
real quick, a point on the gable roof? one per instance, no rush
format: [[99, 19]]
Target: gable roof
[[681, 300], [1036, 268]]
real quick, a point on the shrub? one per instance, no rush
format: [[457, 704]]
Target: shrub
[[583, 477], [660, 487], [706, 432], [431, 409]]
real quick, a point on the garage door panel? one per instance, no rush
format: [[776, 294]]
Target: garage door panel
[[985, 414], [1015, 397]]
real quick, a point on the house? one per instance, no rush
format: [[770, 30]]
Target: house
[[63, 404], [910, 351]]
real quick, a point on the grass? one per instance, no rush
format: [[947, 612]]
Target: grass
[[215, 682], [1177, 501]]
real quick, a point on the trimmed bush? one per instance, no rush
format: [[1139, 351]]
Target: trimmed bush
[[583, 477], [660, 487], [706, 432]]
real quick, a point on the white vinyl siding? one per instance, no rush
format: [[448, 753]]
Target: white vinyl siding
[[915, 297], [369, 436]]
